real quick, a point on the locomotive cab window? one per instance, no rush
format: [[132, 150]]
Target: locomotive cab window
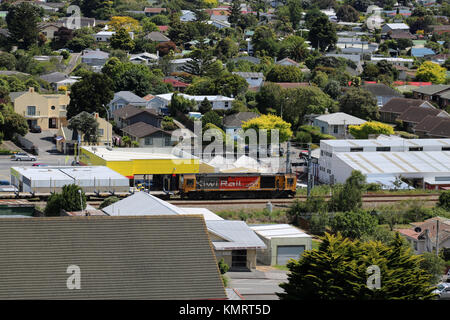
[[190, 182], [290, 181]]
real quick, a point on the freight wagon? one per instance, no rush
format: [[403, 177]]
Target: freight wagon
[[252, 185]]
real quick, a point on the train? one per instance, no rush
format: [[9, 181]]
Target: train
[[239, 185]]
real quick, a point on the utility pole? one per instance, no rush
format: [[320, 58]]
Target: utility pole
[[437, 236], [288, 159], [309, 170]]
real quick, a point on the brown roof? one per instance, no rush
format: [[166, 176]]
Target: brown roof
[[141, 130], [400, 105], [442, 129], [401, 35], [409, 233], [429, 123], [130, 111], [154, 10], [417, 114]]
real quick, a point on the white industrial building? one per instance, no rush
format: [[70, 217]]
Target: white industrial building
[[95, 179], [426, 162]]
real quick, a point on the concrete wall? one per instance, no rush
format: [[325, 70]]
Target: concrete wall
[[269, 255]]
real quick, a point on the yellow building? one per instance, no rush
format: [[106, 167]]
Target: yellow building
[[49, 111], [137, 162]]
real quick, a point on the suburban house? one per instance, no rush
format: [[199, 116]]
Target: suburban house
[[433, 127], [414, 115], [396, 106], [123, 98], [144, 58], [149, 12], [423, 235], [232, 240], [130, 114], [122, 257], [49, 111], [233, 122], [161, 101], [381, 92], [147, 135], [254, 79], [422, 52], [105, 35], [408, 63], [177, 85], [156, 36], [436, 93], [187, 16], [220, 24], [66, 138], [95, 58], [59, 79], [394, 27], [177, 65], [336, 124], [287, 62], [71, 23], [49, 29]]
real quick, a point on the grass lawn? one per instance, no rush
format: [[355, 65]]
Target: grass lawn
[[284, 268]]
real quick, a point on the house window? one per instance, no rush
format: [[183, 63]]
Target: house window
[[53, 107], [100, 132], [226, 104], [31, 110], [415, 245], [415, 148], [383, 148], [167, 141], [356, 149], [445, 148], [335, 129], [148, 141]]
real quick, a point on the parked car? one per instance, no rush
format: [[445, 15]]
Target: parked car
[[443, 290], [40, 165], [23, 157], [35, 129]]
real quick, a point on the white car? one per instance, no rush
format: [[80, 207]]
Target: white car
[[23, 157], [443, 290], [301, 185]]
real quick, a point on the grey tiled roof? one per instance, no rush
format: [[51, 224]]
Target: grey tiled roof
[[250, 74], [236, 119], [146, 257], [433, 89], [141, 130]]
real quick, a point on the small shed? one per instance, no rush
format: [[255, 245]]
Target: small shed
[[283, 241]]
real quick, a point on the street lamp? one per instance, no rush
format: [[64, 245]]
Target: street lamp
[[81, 200], [107, 129]]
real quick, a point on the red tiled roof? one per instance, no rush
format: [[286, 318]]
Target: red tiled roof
[[154, 10], [418, 84], [148, 97], [163, 28], [409, 233]]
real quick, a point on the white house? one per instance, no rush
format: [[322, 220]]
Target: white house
[[220, 24], [144, 58], [105, 36], [123, 98], [187, 16], [336, 124], [254, 79], [394, 27], [161, 101]]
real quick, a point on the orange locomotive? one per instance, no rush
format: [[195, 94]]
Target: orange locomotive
[[242, 185]]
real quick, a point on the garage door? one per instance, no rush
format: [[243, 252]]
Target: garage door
[[284, 253]]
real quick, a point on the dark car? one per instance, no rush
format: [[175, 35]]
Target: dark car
[[35, 129]]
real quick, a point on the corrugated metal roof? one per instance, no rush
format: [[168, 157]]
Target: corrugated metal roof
[[151, 257], [397, 162], [238, 234], [270, 231]]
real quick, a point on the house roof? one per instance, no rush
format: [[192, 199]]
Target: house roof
[[432, 89], [247, 58], [380, 89], [141, 129], [250, 74], [176, 83], [140, 257], [442, 129], [157, 36], [401, 35], [417, 114], [95, 54], [270, 231], [129, 96], [400, 105], [421, 52], [238, 234], [288, 60], [236, 119], [397, 26], [154, 10], [340, 118], [428, 123], [130, 111], [54, 77], [163, 28], [409, 233]]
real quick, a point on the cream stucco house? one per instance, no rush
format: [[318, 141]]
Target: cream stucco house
[[49, 111]]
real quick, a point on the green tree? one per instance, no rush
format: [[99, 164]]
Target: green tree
[[205, 106], [444, 200], [108, 201], [235, 13], [333, 89], [212, 117], [226, 48], [349, 196], [338, 271], [200, 62], [371, 127], [270, 122], [122, 40], [180, 104], [347, 13], [22, 21], [148, 25], [434, 265], [86, 124], [354, 224], [7, 61], [90, 94], [12, 123], [99, 9], [322, 34], [264, 41], [295, 12], [70, 199], [359, 103], [280, 73], [293, 47]]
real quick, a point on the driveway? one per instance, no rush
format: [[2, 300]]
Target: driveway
[[260, 284], [43, 141]]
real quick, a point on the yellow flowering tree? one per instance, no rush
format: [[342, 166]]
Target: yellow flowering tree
[[269, 122], [371, 127], [127, 23], [429, 71]]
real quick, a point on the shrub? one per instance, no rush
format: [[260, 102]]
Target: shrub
[[108, 201], [444, 200]]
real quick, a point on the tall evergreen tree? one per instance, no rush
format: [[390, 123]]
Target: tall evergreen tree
[[235, 13], [22, 20]]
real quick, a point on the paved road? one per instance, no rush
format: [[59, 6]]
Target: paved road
[[74, 57], [43, 141], [258, 285]]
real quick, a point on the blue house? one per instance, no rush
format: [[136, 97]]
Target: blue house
[[422, 52]]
